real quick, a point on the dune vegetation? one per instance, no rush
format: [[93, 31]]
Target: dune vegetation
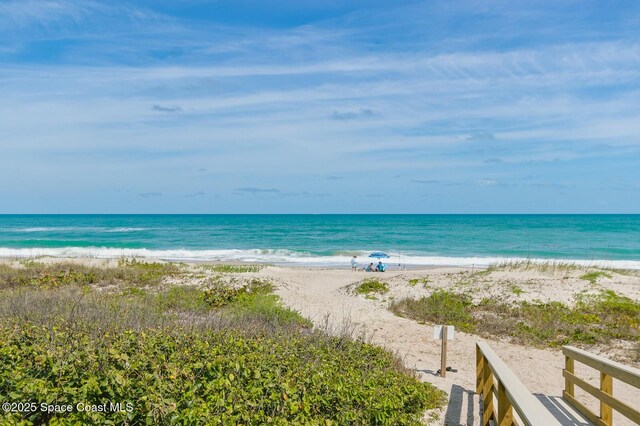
[[225, 352], [594, 319]]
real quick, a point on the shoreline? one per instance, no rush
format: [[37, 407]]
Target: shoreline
[[244, 257], [296, 266]]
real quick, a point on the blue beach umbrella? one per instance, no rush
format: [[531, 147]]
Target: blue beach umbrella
[[379, 255]]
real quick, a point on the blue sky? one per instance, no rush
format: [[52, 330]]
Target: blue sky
[[197, 106]]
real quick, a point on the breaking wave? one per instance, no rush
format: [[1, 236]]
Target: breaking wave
[[276, 256], [76, 228]]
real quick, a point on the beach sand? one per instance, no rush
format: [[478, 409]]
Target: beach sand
[[326, 297], [323, 296]]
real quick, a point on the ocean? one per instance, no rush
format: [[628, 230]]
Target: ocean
[[461, 240]]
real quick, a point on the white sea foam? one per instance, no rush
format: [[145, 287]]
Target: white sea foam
[[77, 228], [290, 257], [44, 229], [124, 229]]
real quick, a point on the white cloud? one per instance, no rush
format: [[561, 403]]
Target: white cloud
[[293, 101], [68, 18], [25, 12]]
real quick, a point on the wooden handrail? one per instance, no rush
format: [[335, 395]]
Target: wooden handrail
[[512, 395], [608, 371]]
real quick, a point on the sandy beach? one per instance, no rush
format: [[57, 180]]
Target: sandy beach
[[326, 296]]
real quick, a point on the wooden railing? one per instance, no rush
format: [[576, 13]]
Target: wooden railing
[[507, 402], [608, 371]]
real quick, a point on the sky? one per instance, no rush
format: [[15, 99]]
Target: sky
[[349, 106]]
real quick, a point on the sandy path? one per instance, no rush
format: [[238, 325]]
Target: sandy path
[[320, 296]]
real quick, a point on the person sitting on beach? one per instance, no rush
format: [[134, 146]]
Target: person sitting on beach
[[381, 266], [354, 264], [370, 268]]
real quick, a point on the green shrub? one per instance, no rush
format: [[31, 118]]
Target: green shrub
[[415, 281], [372, 285], [147, 272], [31, 263], [267, 308], [592, 277], [45, 276], [128, 272], [65, 346], [134, 291], [220, 294], [516, 290], [594, 319], [254, 299], [181, 298], [225, 378], [441, 307]]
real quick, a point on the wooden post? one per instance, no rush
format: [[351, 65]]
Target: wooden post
[[479, 369], [487, 395], [606, 386], [443, 355], [568, 385], [505, 410]]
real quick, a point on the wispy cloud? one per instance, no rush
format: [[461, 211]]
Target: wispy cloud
[[150, 194], [548, 185], [481, 136], [25, 12], [425, 181], [44, 13], [162, 95], [487, 182], [493, 161], [196, 194], [254, 190], [162, 108], [352, 115]]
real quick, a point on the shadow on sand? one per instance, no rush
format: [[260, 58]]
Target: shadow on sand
[[465, 408], [430, 372], [456, 413]]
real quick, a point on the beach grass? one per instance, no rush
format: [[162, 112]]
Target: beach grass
[[555, 267], [234, 269], [595, 319], [128, 272], [516, 289], [181, 354], [619, 271], [593, 276], [550, 266], [415, 281], [441, 307], [371, 286]]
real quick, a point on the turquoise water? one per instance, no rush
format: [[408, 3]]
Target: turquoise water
[[328, 239]]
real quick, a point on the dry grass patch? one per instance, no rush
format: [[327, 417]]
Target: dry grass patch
[[551, 267], [233, 269]]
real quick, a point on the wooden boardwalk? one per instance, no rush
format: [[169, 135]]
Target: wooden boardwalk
[[506, 401]]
